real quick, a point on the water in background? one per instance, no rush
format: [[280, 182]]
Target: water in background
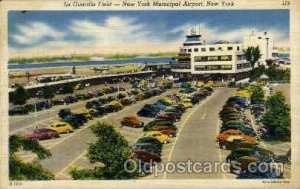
[[90, 63]]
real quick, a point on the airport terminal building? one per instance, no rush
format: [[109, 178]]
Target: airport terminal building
[[218, 61]]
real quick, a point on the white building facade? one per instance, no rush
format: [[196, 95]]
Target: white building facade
[[265, 43], [220, 60]]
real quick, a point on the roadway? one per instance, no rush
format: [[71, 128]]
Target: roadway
[[196, 138]]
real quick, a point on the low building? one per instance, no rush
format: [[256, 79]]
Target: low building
[[219, 61]]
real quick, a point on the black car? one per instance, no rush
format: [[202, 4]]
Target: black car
[[108, 108], [43, 105], [19, 110], [93, 104], [75, 120], [80, 118], [64, 112], [70, 99], [148, 147], [72, 120], [151, 140]]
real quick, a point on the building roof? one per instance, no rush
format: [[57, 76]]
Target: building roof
[[222, 42]]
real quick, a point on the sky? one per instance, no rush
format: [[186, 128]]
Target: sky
[[47, 33]]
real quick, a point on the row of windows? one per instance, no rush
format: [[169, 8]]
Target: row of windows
[[243, 66], [213, 67], [210, 49], [241, 57], [212, 58]]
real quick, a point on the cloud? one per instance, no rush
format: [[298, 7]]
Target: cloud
[[35, 32], [117, 35], [114, 31]]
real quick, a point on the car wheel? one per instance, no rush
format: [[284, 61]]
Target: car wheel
[[68, 131], [171, 135], [165, 142]]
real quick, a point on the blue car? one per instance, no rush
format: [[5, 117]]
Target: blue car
[[146, 112], [187, 90], [239, 101], [160, 106]]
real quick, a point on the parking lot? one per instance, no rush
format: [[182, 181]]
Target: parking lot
[[195, 139]]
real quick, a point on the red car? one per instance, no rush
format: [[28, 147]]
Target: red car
[[145, 156], [132, 121], [42, 133], [166, 130]]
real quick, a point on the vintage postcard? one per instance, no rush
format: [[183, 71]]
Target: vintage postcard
[[150, 94]]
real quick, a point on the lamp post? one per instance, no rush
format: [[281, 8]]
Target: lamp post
[[38, 95]]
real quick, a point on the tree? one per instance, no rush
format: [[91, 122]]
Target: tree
[[270, 62], [257, 72], [18, 169], [48, 93], [257, 96], [20, 95], [252, 54], [277, 118], [112, 150]]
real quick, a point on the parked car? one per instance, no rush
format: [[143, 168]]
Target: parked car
[[95, 113], [237, 141], [153, 141], [176, 108], [84, 113], [117, 104], [108, 108], [166, 130], [73, 121], [159, 136], [240, 101], [61, 127], [246, 130], [132, 121], [78, 86], [126, 101], [231, 117], [65, 90], [93, 104], [145, 156], [186, 103], [70, 99], [18, 110], [43, 105], [83, 96], [58, 102], [187, 90], [42, 133], [262, 154], [160, 105], [64, 112], [167, 116], [148, 147], [152, 124], [146, 112]]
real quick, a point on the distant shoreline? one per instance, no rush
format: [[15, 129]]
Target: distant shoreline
[[89, 60]]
